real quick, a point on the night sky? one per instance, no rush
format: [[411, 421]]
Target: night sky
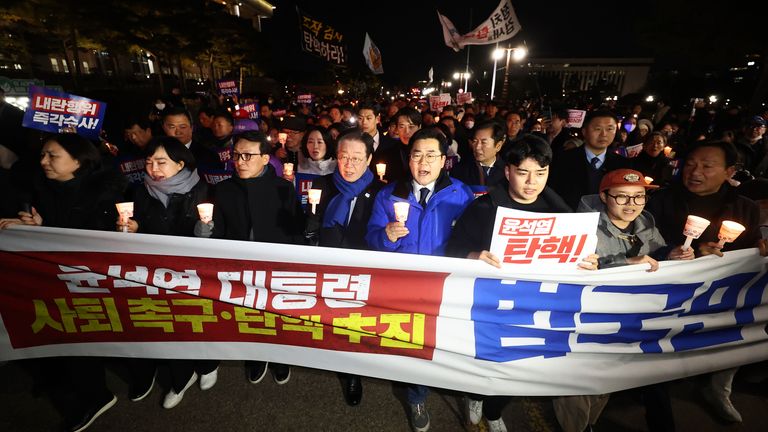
[[410, 38]]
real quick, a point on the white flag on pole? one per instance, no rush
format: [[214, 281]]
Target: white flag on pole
[[500, 26], [372, 56], [431, 73]]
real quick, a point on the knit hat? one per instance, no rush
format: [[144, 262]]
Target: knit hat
[[647, 123]]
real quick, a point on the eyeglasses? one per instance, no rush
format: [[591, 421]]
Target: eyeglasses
[[429, 157], [622, 199], [355, 161], [244, 156]]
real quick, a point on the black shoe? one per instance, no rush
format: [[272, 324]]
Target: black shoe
[[91, 414], [281, 373], [140, 390], [353, 390], [257, 370]]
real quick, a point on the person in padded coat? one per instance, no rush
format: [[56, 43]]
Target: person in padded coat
[[72, 191], [166, 204], [340, 219], [256, 205], [436, 201]]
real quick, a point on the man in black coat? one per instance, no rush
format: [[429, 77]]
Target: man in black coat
[[577, 172], [706, 192], [486, 168]]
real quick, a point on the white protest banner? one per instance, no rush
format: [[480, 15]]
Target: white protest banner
[[445, 322], [464, 97], [438, 102], [547, 240], [372, 56], [500, 26], [575, 118]]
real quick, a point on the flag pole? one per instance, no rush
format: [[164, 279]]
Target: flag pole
[[466, 69]]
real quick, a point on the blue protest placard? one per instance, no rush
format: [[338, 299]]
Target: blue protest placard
[[228, 87], [54, 111]]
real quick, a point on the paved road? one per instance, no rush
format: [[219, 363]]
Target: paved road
[[312, 401]]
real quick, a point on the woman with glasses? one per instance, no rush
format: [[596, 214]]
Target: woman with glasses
[[626, 234], [317, 151]]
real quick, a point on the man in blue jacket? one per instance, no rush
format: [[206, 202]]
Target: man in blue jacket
[[436, 201]]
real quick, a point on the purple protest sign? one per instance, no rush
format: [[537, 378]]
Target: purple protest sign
[[55, 111], [227, 87]]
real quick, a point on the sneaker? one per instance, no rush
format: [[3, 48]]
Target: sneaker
[[474, 410], [419, 417], [172, 398], [497, 425], [139, 391], [209, 380], [257, 370], [92, 414], [721, 404], [281, 373]]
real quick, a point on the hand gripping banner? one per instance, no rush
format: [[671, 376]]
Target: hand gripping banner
[[443, 322]]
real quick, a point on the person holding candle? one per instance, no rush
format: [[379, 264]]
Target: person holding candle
[[436, 201], [341, 216], [652, 161], [72, 190], [705, 192], [256, 205], [408, 121]]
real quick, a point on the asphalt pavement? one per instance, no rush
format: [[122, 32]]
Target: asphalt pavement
[[312, 401]]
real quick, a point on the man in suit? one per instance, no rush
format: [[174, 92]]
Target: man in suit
[[577, 172]]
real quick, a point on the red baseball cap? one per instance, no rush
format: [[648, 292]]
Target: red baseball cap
[[624, 177]]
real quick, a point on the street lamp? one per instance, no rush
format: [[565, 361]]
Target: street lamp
[[462, 76], [517, 54]]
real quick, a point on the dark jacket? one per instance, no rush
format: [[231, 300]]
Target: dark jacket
[[471, 174], [754, 157], [262, 209], [658, 168], [177, 219], [474, 229], [570, 174], [611, 248], [85, 202], [396, 157], [353, 235], [670, 208]]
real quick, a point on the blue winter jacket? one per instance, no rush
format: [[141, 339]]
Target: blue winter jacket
[[430, 228]]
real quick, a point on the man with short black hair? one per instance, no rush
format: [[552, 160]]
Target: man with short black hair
[[435, 202], [578, 171], [486, 168], [752, 146]]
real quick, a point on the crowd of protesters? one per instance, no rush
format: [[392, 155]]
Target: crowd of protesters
[[643, 171]]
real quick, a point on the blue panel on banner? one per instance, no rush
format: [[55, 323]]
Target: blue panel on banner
[[54, 111], [503, 315]]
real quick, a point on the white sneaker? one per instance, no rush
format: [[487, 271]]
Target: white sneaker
[[474, 410], [209, 380], [172, 398], [497, 425]]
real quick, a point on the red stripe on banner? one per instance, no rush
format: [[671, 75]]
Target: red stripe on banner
[[73, 297]]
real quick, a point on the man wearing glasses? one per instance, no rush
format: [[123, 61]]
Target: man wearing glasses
[[435, 202], [256, 205]]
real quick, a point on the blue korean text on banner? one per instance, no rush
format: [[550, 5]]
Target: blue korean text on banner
[[303, 185], [54, 111], [228, 87]]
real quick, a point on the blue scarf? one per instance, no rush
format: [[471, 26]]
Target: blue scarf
[[338, 209]]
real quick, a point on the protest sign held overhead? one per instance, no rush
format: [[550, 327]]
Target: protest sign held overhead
[[322, 40], [54, 111], [227, 87]]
